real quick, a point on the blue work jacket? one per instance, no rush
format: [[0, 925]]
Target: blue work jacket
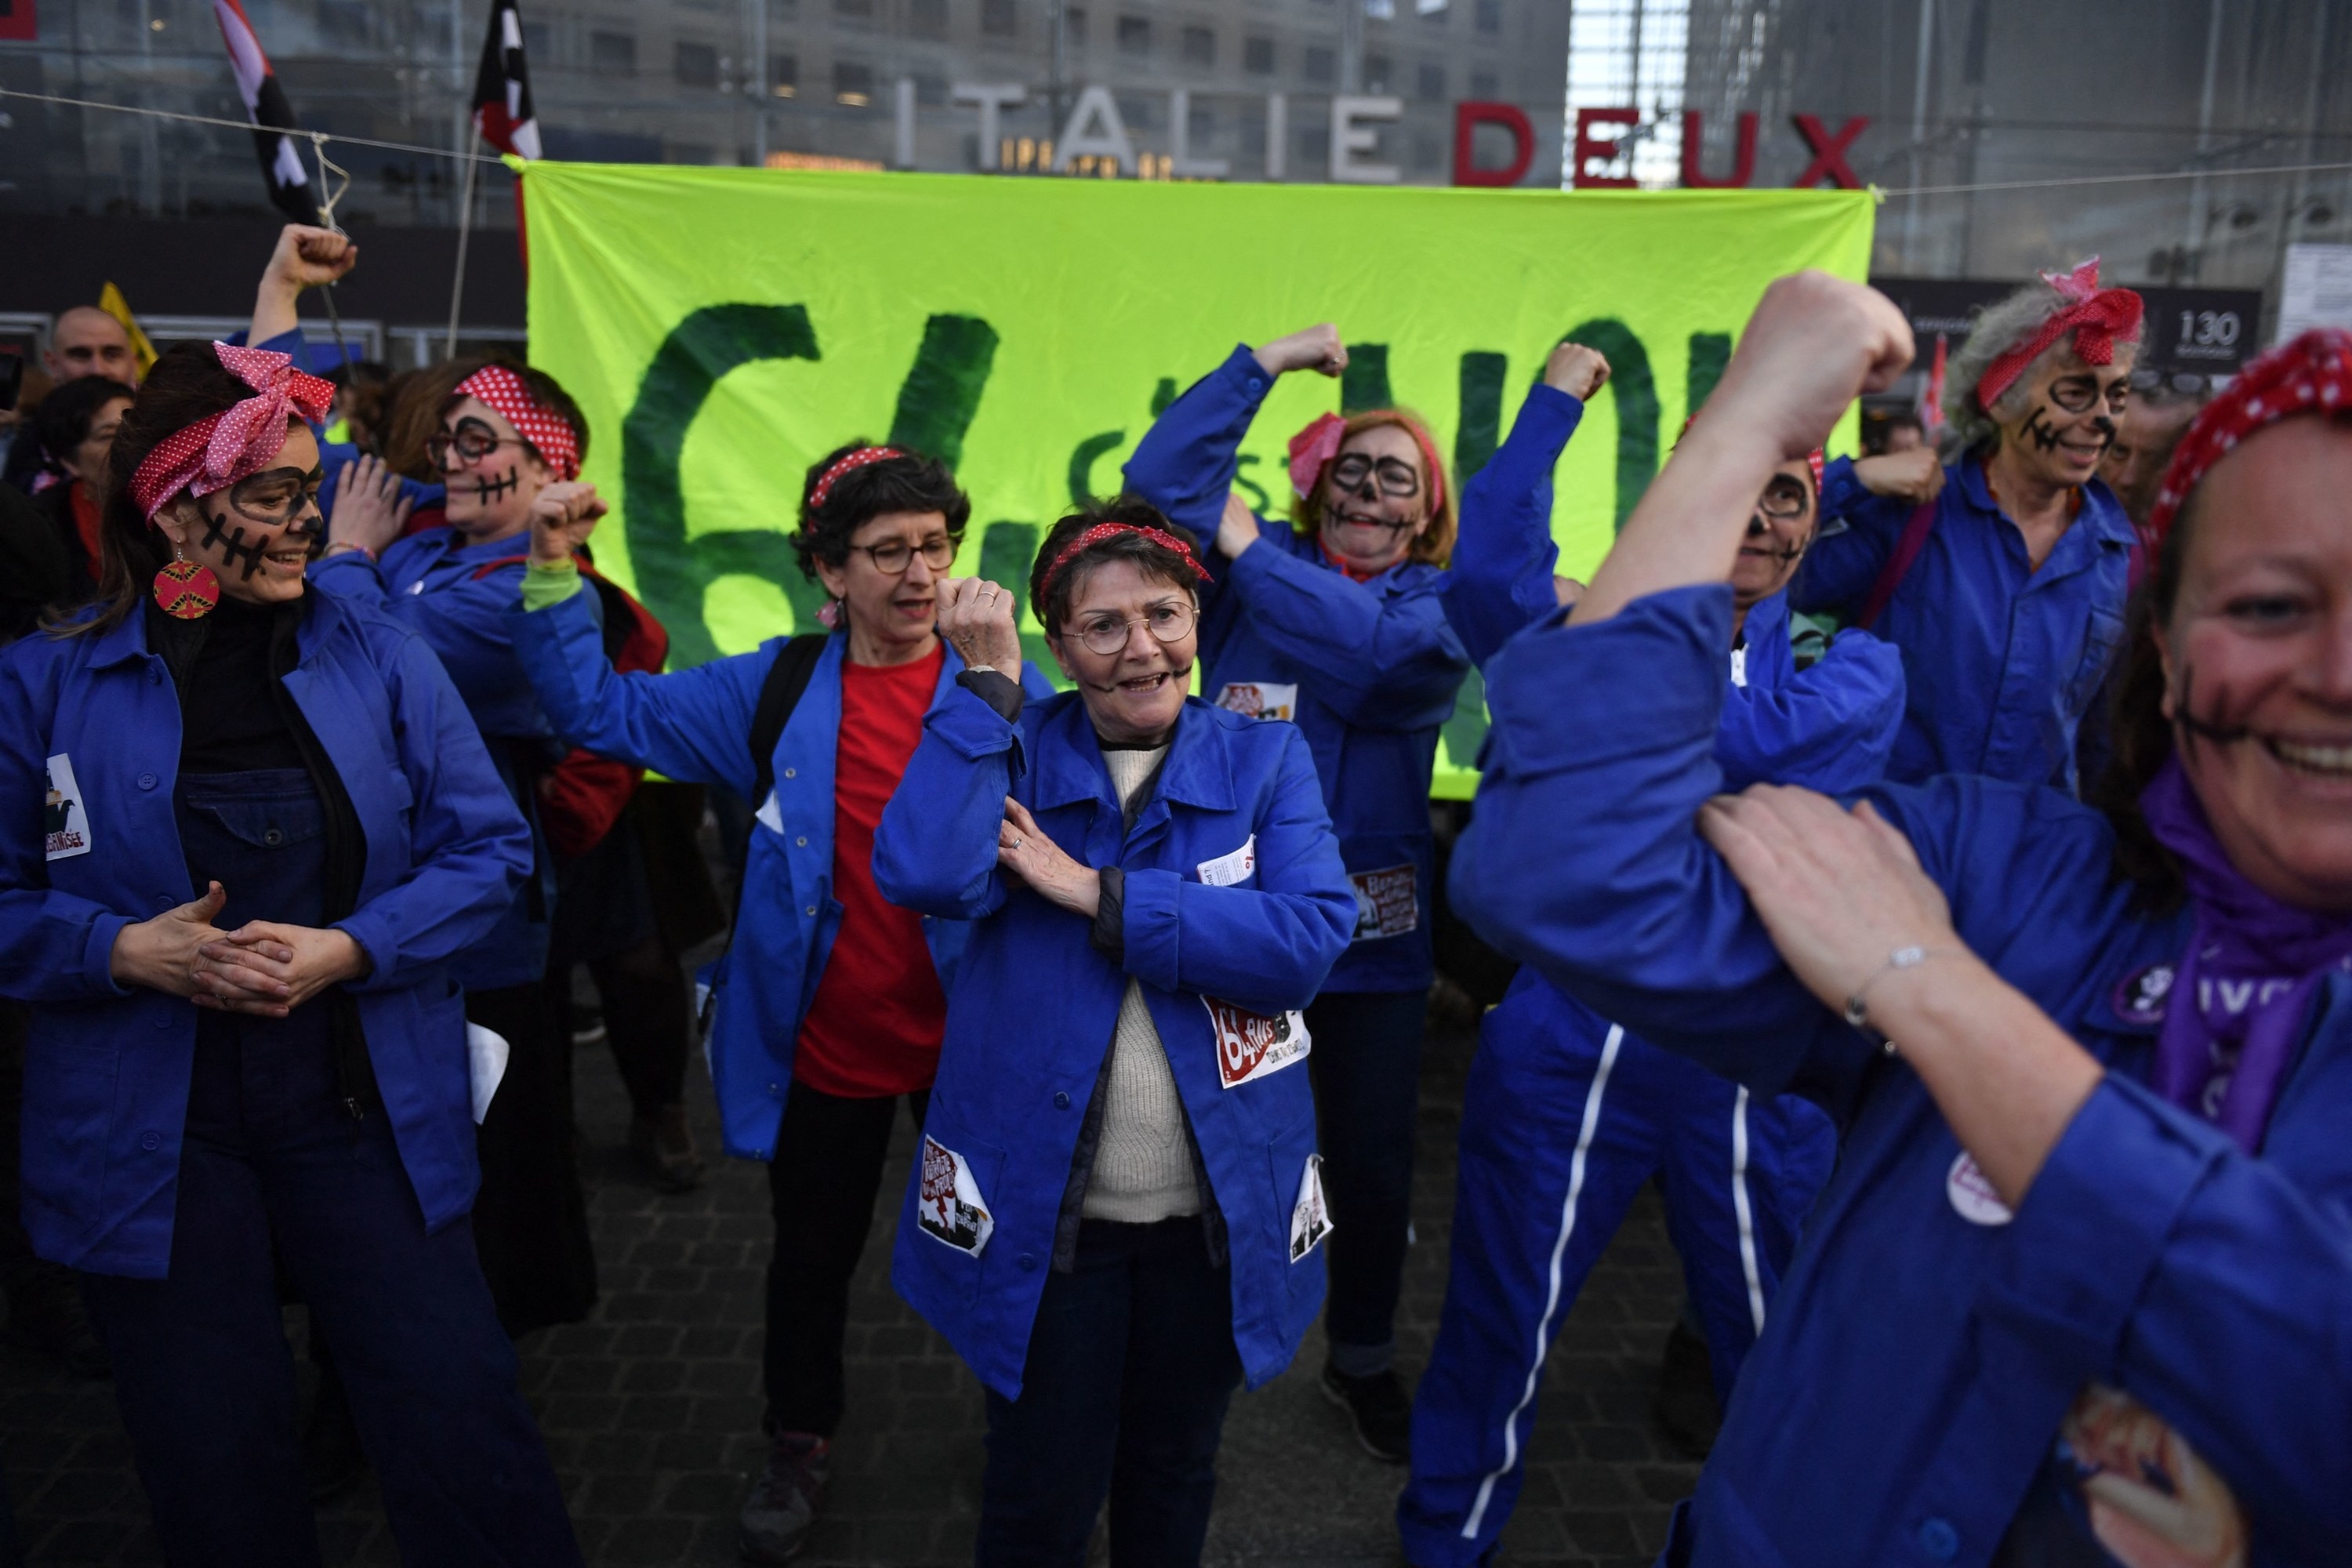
[[1368, 670], [1909, 1387], [2001, 661], [1234, 894], [434, 582], [695, 725], [107, 1069]]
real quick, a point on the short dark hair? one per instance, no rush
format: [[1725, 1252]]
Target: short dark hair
[[909, 482], [63, 419], [1052, 603]]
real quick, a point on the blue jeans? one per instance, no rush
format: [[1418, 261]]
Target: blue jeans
[[1131, 1367], [1367, 1067]]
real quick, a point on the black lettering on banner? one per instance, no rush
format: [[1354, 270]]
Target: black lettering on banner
[[1082, 466], [1365, 382], [1480, 429], [1634, 391], [1709, 352]]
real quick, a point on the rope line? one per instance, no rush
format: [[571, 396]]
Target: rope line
[[315, 136]]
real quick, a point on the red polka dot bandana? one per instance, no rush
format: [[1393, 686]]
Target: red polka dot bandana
[[847, 463], [1103, 530], [238, 442], [2097, 317], [550, 434], [2310, 374]]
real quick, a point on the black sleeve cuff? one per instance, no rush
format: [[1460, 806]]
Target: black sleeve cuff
[[1110, 934], [996, 689]]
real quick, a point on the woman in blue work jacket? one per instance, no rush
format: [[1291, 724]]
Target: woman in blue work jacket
[[1117, 1214], [1566, 1116], [1332, 621], [2076, 1291], [2001, 577], [252, 826]]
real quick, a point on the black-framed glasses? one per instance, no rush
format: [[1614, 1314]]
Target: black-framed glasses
[[2170, 383], [892, 556], [275, 496], [1395, 476], [1784, 498], [1170, 620], [472, 440], [2080, 394]]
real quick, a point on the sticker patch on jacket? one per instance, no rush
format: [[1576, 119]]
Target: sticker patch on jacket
[[2148, 1498], [1227, 870], [1310, 1217], [1973, 1196], [65, 821], [950, 1206], [1384, 902], [1259, 698], [1252, 1045], [2139, 996]]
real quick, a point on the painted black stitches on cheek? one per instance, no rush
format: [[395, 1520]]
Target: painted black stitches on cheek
[[233, 548], [2214, 726], [2038, 429], [487, 490]]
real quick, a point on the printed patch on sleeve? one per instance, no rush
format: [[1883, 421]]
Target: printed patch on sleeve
[[1384, 902], [1252, 1045], [1260, 698], [65, 821], [1227, 870], [1310, 1218], [1973, 1196], [950, 1206]]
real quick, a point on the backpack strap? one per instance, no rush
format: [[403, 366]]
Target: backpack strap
[[1906, 549], [779, 695]]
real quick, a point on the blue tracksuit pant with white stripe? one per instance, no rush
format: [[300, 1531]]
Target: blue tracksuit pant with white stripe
[[1564, 1116]]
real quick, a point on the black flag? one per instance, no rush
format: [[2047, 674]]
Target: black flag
[[502, 110], [272, 116]]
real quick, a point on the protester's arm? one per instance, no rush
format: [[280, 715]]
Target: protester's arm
[[1830, 728], [1270, 943], [305, 257], [937, 849], [1499, 582], [1859, 530], [1186, 462], [1381, 660]]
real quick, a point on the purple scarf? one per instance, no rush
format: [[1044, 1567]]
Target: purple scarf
[[2247, 980]]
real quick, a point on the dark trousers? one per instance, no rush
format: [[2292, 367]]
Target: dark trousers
[[1366, 1068], [821, 1183], [648, 1016], [202, 1370], [531, 1219], [1131, 1368]]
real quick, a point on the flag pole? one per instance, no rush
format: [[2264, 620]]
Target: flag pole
[[464, 232]]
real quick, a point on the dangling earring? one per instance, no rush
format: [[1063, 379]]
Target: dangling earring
[[828, 614], [186, 589]]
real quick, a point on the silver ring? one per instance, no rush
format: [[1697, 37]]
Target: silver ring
[[1017, 842]]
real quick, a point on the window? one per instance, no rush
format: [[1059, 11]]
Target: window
[[784, 75], [1135, 111], [1135, 35], [692, 152], [1312, 142], [852, 84], [1485, 86], [928, 18], [1200, 46], [537, 43], [1257, 55], [1437, 18], [853, 7], [931, 92], [1321, 65], [1428, 153], [999, 18], [697, 65], [1378, 70], [1074, 27], [612, 54], [1200, 125], [1490, 16], [1432, 83]]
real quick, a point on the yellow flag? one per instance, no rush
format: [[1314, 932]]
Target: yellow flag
[[110, 301]]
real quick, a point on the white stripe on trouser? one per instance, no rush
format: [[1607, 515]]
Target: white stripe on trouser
[[1739, 1206], [1551, 1302]]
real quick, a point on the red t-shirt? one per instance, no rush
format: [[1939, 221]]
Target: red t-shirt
[[876, 1025]]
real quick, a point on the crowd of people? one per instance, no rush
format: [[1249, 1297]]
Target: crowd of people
[[1934, 868]]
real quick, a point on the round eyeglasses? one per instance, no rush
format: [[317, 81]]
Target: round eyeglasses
[[1396, 477], [1784, 498], [1168, 621], [892, 556], [471, 440]]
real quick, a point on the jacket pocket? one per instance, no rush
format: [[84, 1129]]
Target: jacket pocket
[[2104, 634], [955, 1188]]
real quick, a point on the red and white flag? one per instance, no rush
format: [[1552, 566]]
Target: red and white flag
[[272, 116], [502, 110]]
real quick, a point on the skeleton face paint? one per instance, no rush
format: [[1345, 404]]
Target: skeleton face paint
[[2070, 417], [261, 533], [493, 475], [1375, 500], [1778, 532]]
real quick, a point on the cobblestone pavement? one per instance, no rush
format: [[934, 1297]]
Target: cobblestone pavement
[[651, 1408]]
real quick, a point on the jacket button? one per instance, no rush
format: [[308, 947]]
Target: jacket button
[[1027, 1260], [791, 772], [273, 837], [146, 781], [802, 841], [1940, 1541], [1061, 1102], [810, 911], [774, 1092], [151, 1142], [1256, 385]]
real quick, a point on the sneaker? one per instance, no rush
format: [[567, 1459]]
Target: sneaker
[[1686, 1406], [662, 1146], [587, 1026], [45, 1316], [1378, 1408], [782, 1507]]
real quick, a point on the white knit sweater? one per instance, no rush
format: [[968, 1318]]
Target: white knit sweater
[[1143, 1165]]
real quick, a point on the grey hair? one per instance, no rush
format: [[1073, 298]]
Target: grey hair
[[2002, 326]]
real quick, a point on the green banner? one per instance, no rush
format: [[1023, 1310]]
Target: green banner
[[724, 328]]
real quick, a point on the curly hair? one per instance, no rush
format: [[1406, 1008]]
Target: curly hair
[[1154, 559], [2002, 326], [1434, 544], [912, 482]]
